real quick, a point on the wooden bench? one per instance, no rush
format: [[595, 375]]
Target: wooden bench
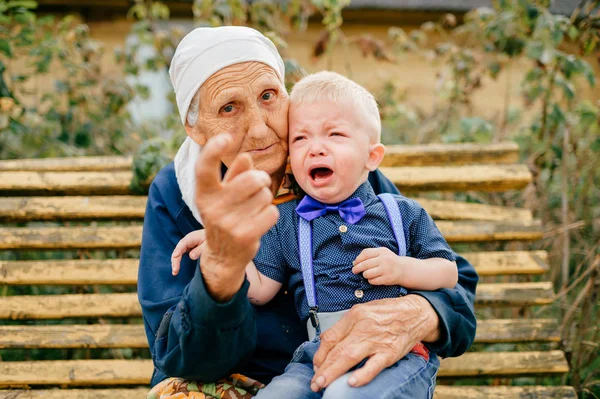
[[78, 216]]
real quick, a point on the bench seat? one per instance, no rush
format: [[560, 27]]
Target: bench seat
[[131, 372]]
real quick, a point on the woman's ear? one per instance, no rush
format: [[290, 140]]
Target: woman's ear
[[195, 134], [376, 153]]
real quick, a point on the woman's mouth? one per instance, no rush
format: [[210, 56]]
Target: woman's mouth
[[320, 175], [261, 150]]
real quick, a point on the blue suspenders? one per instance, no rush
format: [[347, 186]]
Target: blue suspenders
[[305, 247]]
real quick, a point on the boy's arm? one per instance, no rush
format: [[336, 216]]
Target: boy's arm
[[262, 288], [380, 266]]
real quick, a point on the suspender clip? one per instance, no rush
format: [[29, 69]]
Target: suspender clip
[[312, 314]]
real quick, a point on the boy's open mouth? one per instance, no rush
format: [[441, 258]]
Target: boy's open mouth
[[320, 174]]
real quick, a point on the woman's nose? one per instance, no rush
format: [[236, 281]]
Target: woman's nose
[[257, 123]]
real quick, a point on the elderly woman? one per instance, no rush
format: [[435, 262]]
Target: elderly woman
[[200, 325]]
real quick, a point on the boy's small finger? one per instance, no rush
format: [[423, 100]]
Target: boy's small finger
[[365, 265], [366, 254]]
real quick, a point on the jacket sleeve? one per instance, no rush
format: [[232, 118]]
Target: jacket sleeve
[[190, 335], [454, 307]]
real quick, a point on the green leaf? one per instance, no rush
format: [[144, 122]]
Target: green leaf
[[5, 48]]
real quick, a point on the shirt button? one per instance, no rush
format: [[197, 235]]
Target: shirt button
[[359, 293], [343, 229]]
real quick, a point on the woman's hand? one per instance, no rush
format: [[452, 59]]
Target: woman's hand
[[235, 211], [383, 331]]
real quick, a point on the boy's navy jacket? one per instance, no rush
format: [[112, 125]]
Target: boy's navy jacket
[[193, 337]]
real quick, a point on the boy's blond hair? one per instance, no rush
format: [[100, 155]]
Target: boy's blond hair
[[333, 87]]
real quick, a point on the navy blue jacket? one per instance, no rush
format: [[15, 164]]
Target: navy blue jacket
[[193, 337]]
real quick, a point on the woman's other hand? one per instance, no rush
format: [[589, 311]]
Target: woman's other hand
[[236, 211], [384, 331]]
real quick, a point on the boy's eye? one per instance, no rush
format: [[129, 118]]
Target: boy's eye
[[297, 138], [336, 134]]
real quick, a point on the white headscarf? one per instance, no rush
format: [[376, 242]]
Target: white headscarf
[[201, 53]]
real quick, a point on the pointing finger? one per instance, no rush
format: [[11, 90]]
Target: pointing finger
[[208, 167]]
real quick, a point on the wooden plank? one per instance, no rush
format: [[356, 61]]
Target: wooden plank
[[459, 178], [68, 164], [130, 236], [76, 372], [508, 262], [104, 237], [515, 294], [22, 209], [503, 392], [65, 183], [474, 364], [123, 305], [450, 154], [121, 372], [133, 335], [124, 271], [420, 178], [458, 210], [478, 231], [69, 272], [517, 330], [395, 155], [130, 393], [64, 306], [74, 336], [441, 392]]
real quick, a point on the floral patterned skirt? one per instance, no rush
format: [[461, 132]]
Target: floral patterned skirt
[[236, 386]]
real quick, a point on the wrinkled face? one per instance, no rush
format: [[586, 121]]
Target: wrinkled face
[[248, 101], [331, 151]]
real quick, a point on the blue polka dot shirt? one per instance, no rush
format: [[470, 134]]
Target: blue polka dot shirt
[[335, 248]]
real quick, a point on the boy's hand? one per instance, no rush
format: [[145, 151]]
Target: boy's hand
[[195, 242], [380, 266]]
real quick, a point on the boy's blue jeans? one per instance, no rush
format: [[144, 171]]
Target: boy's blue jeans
[[413, 376]]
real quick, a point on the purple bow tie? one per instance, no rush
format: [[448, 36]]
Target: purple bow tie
[[351, 210]]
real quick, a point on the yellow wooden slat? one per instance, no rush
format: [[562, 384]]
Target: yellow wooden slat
[[71, 237], [115, 393], [123, 305], [70, 164], [21, 209], [515, 294], [421, 178], [458, 210], [450, 154], [130, 236], [508, 262], [504, 392], [65, 183], [69, 272], [395, 155], [124, 271], [441, 392], [504, 364], [131, 372], [459, 178], [133, 336]]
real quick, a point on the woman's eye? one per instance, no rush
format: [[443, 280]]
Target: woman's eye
[[267, 95], [228, 108]]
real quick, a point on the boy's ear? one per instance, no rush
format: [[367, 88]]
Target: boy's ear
[[195, 134], [376, 153]]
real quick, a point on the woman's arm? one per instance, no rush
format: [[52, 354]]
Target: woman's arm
[[189, 333]]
